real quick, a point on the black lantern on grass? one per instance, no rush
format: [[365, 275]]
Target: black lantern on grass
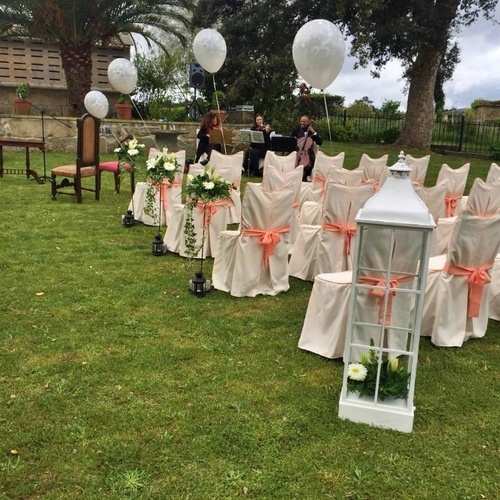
[[157, 246], [198, 284], [128, 219]]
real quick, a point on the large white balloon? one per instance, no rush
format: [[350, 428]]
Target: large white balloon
[[122, 75], [210, 50], [96, 103], [318, 52]]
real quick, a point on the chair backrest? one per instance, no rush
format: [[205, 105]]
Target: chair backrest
[[493, 173], [457, 178], [266, 210], [433, 197], [366, 160], [418, 167], [283, 163], [484, 198], [343, 202], [346, 177], [87, 145], [274, 180], [475, 240], [233, 161], [323, 162]]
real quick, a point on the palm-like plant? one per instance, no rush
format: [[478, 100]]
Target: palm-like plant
[[76, 26]]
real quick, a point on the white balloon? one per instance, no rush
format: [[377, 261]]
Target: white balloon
[[318, 52], [210, 50], [122, 75], [96, 103]]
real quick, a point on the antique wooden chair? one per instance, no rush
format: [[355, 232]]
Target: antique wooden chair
[[114, 167], [87, 161]]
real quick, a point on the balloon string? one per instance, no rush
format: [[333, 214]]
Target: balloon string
[[218, 110], [327, 117], [144, 123]]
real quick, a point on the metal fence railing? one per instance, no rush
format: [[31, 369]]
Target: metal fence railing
[[453, 135]]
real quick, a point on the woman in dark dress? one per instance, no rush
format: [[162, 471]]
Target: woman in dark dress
[[257, 150], [210, 121]]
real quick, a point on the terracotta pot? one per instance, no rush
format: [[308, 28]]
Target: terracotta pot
[[123, 111], [22, 107]]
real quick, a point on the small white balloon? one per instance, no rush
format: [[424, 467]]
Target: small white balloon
[[122, 75], [96, 103], [318, 52], [210, 50]]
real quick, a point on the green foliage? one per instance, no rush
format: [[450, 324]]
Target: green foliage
[[220, 97], [361, 107], [393, 380], [495, 151], [23, 90], [390, 135], [121, 99], [390, 109]]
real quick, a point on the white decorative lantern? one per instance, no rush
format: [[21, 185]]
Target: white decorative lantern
[[389, 273]]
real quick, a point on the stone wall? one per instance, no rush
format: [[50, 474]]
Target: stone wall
[[60, 132]]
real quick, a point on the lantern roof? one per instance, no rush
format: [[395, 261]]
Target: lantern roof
[[396, 203]]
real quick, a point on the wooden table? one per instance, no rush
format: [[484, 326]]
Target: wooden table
[[21, 143], [168, 139]]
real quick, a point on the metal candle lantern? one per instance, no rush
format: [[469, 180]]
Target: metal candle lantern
[[389, 274], [128, 219], [198, 284], [157, 246]]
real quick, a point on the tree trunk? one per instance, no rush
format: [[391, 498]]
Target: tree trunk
[[419, 120], [77, 64]]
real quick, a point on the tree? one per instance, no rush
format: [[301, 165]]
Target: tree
[[76, 26], [418, 33], [259, 68], [361, 107]]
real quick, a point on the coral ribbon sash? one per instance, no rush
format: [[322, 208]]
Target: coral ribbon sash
[[322, 180], [166, 184], [394, 282], [451, 204], [210, 208], [267, 238], [349, 232], [477, 277]]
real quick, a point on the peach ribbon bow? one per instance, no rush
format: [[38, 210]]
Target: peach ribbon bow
[[394, 282], [451, 204], [210, 208], [349, 232], [267, 238], [166, 184], [322, 180], [477, 277]]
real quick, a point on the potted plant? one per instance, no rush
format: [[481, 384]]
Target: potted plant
[[21, 105], [219, 97], [123, 108]]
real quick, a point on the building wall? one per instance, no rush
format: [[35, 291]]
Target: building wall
[[39, 64]]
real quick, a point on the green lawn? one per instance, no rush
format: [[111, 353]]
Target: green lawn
[[116, 382]]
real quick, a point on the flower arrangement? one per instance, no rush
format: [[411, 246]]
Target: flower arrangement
[[162, 167], [205, 188], [393, 381], [129, 151]]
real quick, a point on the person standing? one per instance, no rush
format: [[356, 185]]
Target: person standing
[[209, 121], [257, 150], [307, 140]]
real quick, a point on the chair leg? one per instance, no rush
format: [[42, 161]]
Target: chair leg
[[53, 187], [78, 189], [117, 182], [132, 181]]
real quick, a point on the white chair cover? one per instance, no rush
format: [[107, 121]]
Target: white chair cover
[[254, 260], [455, 310], [323, 161], [324, 329], [493, 173], [284, 163], [418, 168], [347, 177], [170, 195], [327, 247], [433, 197], [457, 179], [375, 163], [217, 214], [226, 166], [274, 180]]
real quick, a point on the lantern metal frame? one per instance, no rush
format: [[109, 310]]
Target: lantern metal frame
[[401, 341], [128, 219], [157, 249]]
